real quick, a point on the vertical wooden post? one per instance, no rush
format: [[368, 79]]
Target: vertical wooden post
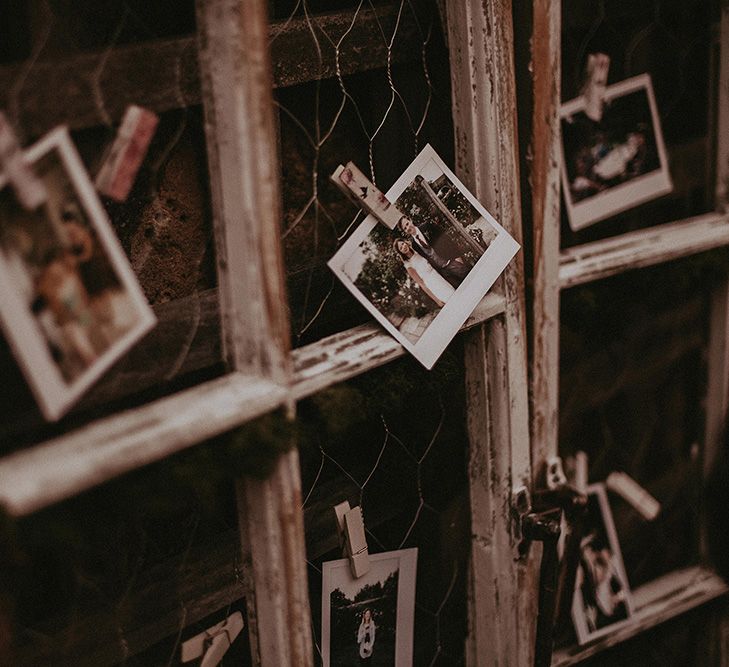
[[236, 80], [502, 596], [545, 179], [243, 162]]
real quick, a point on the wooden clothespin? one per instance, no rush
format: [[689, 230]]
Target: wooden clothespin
[[350, 180], [352, 538], [121, 164], [29, 189], [632, 492], [598, 65], [213, 644]]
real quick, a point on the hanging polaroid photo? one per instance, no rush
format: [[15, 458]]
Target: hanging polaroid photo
[[615, 163], [70, 304], [370, 620], [422, 280], [602, 598]]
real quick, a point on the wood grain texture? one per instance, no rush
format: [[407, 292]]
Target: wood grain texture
[[545, 182], [62, 90], [645, 247], [501, 623], [656, 602]]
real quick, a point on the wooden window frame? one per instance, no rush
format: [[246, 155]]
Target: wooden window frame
[[233, 79], [555, 270]]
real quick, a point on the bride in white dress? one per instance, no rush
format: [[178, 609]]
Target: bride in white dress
[[427, 278]]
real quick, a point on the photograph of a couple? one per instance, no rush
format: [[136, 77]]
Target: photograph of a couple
[[424, 278], [369, 621], [618, 161], [602, 594]]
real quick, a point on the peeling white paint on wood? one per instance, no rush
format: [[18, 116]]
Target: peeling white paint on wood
[[655, 602], [358, 350], [501, 616], [645, 247], [545, 181]]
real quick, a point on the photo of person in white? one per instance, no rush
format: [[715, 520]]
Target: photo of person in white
[[366, 637], [422, 272], [602, 589]]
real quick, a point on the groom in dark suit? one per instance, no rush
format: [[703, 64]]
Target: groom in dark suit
[[454, 270]]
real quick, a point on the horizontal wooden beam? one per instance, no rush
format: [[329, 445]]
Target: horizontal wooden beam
[[42, 475], [90, 89], [656, 602], [351, 353], [645, 247], [62, 467]]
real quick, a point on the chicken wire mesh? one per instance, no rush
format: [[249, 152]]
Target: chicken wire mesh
[[124, 574], [394, 443]]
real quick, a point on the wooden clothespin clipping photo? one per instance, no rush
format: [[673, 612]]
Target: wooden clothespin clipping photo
[[119, 169], [424, 257], [29, 190], [212, 644], [350, 180], [352, 538], [598, 65]]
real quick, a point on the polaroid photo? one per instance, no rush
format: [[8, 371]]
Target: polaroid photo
[[617, 163], [602, 599], [370, 620], [422, 280], [70, 304]]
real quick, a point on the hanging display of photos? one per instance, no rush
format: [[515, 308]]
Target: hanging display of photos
[[369, 620], [617, 162], [70, 304], [422, 280], [602, 598]]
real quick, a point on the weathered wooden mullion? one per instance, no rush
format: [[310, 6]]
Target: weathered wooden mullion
[[245, 191], [502, 603], [544, 177], [62, 90]]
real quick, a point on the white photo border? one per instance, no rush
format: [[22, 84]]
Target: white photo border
[[53, 394], [578, 609], [626, 195], [405, 623], [479, 280]]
